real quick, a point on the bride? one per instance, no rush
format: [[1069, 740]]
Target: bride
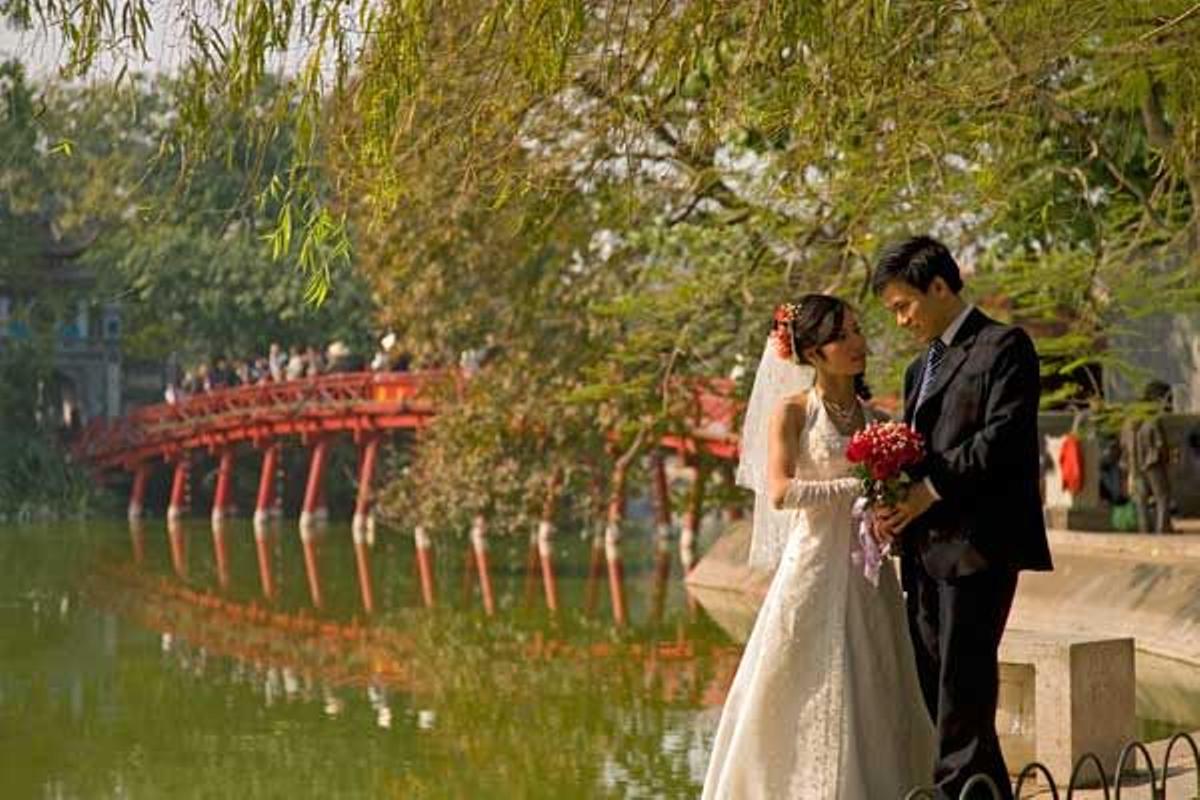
[[826, 703]]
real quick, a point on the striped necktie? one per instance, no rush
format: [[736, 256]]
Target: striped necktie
[[933, 362]]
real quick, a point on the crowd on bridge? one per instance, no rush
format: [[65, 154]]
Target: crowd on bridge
[[277, 366]]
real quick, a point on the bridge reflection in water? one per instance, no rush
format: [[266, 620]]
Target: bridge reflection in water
[[519, 701], [605, 570], [539, 573]]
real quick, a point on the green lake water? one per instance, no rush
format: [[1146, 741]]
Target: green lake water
[[141, 665], [157, 678]]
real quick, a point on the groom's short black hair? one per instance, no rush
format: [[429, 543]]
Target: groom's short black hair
[[916, 261]]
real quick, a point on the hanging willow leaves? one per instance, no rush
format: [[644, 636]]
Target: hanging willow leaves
[[616, 193]]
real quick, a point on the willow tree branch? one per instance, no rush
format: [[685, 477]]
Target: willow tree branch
[[1170, 23], [1065, 116], [1162, 138]]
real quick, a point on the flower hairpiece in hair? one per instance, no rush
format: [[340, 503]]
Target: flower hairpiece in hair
[[781, 329]]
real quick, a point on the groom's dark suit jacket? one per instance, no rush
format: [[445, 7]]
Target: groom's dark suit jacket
[[979, 420]]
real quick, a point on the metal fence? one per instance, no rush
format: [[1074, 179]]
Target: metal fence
[[1123, 779]]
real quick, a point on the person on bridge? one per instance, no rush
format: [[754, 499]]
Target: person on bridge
[[313, 363], [276, 362], [295, 365], [338, 358]]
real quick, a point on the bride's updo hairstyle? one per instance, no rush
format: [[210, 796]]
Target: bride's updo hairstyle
[[814, 321]]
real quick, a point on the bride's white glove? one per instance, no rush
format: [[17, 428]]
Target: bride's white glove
[[804, 493]]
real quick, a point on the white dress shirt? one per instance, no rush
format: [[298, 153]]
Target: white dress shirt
[[952, 329]]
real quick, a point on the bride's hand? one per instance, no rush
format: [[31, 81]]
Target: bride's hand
[[890, 521]]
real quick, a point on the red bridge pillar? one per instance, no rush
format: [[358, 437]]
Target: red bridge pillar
[[479, 548], [612, 545], [137, 495], [362, 527], [222, 497], [425, 564], [313, 489], [692, 517], [310, 516], [264, 538], [662, 537], [179, 489], [266, 484]]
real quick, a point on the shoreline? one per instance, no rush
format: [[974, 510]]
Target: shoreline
[[1108, 585], [1104, 586]]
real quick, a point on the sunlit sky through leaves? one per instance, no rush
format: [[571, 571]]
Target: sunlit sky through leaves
[[44, 53]]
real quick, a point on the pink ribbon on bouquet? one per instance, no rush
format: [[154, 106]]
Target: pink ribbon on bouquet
[[869, 554]]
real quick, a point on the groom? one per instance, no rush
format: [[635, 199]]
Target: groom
[[974, 518]]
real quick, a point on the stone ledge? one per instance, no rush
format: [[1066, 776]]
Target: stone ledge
[[1103, 586], [1063, 695]]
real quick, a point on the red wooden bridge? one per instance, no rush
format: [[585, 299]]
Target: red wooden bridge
[[365, 406]]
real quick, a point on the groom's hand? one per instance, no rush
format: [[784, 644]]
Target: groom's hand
[[890, 521]]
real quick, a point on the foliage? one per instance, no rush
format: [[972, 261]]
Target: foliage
[[710, 160], [17, 172], [102, 202], [618, 192], [28, 212], [185, 240], [37, 479]]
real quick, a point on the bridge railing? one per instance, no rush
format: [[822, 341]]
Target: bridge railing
[[714, 410], [356, 387], [359, 392], [161, 428]]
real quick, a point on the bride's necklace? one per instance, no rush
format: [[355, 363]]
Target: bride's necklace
[[843, 415]]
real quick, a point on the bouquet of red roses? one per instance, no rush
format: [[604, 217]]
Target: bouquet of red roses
[[880, 453]]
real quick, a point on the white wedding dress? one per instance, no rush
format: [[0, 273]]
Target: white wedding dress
[[826, 703]]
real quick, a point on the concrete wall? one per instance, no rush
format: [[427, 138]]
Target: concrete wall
[[1106, 590], [1103, 585], [1165, 347], [1112, 585]]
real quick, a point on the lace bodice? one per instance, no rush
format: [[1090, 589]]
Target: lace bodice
[[823, 446]]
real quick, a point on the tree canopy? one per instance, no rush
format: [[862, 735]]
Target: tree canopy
[[619, 192], [104, 204], [183, 239]]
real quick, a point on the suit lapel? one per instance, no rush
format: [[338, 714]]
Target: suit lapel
[[910, 391], [956, 356]]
